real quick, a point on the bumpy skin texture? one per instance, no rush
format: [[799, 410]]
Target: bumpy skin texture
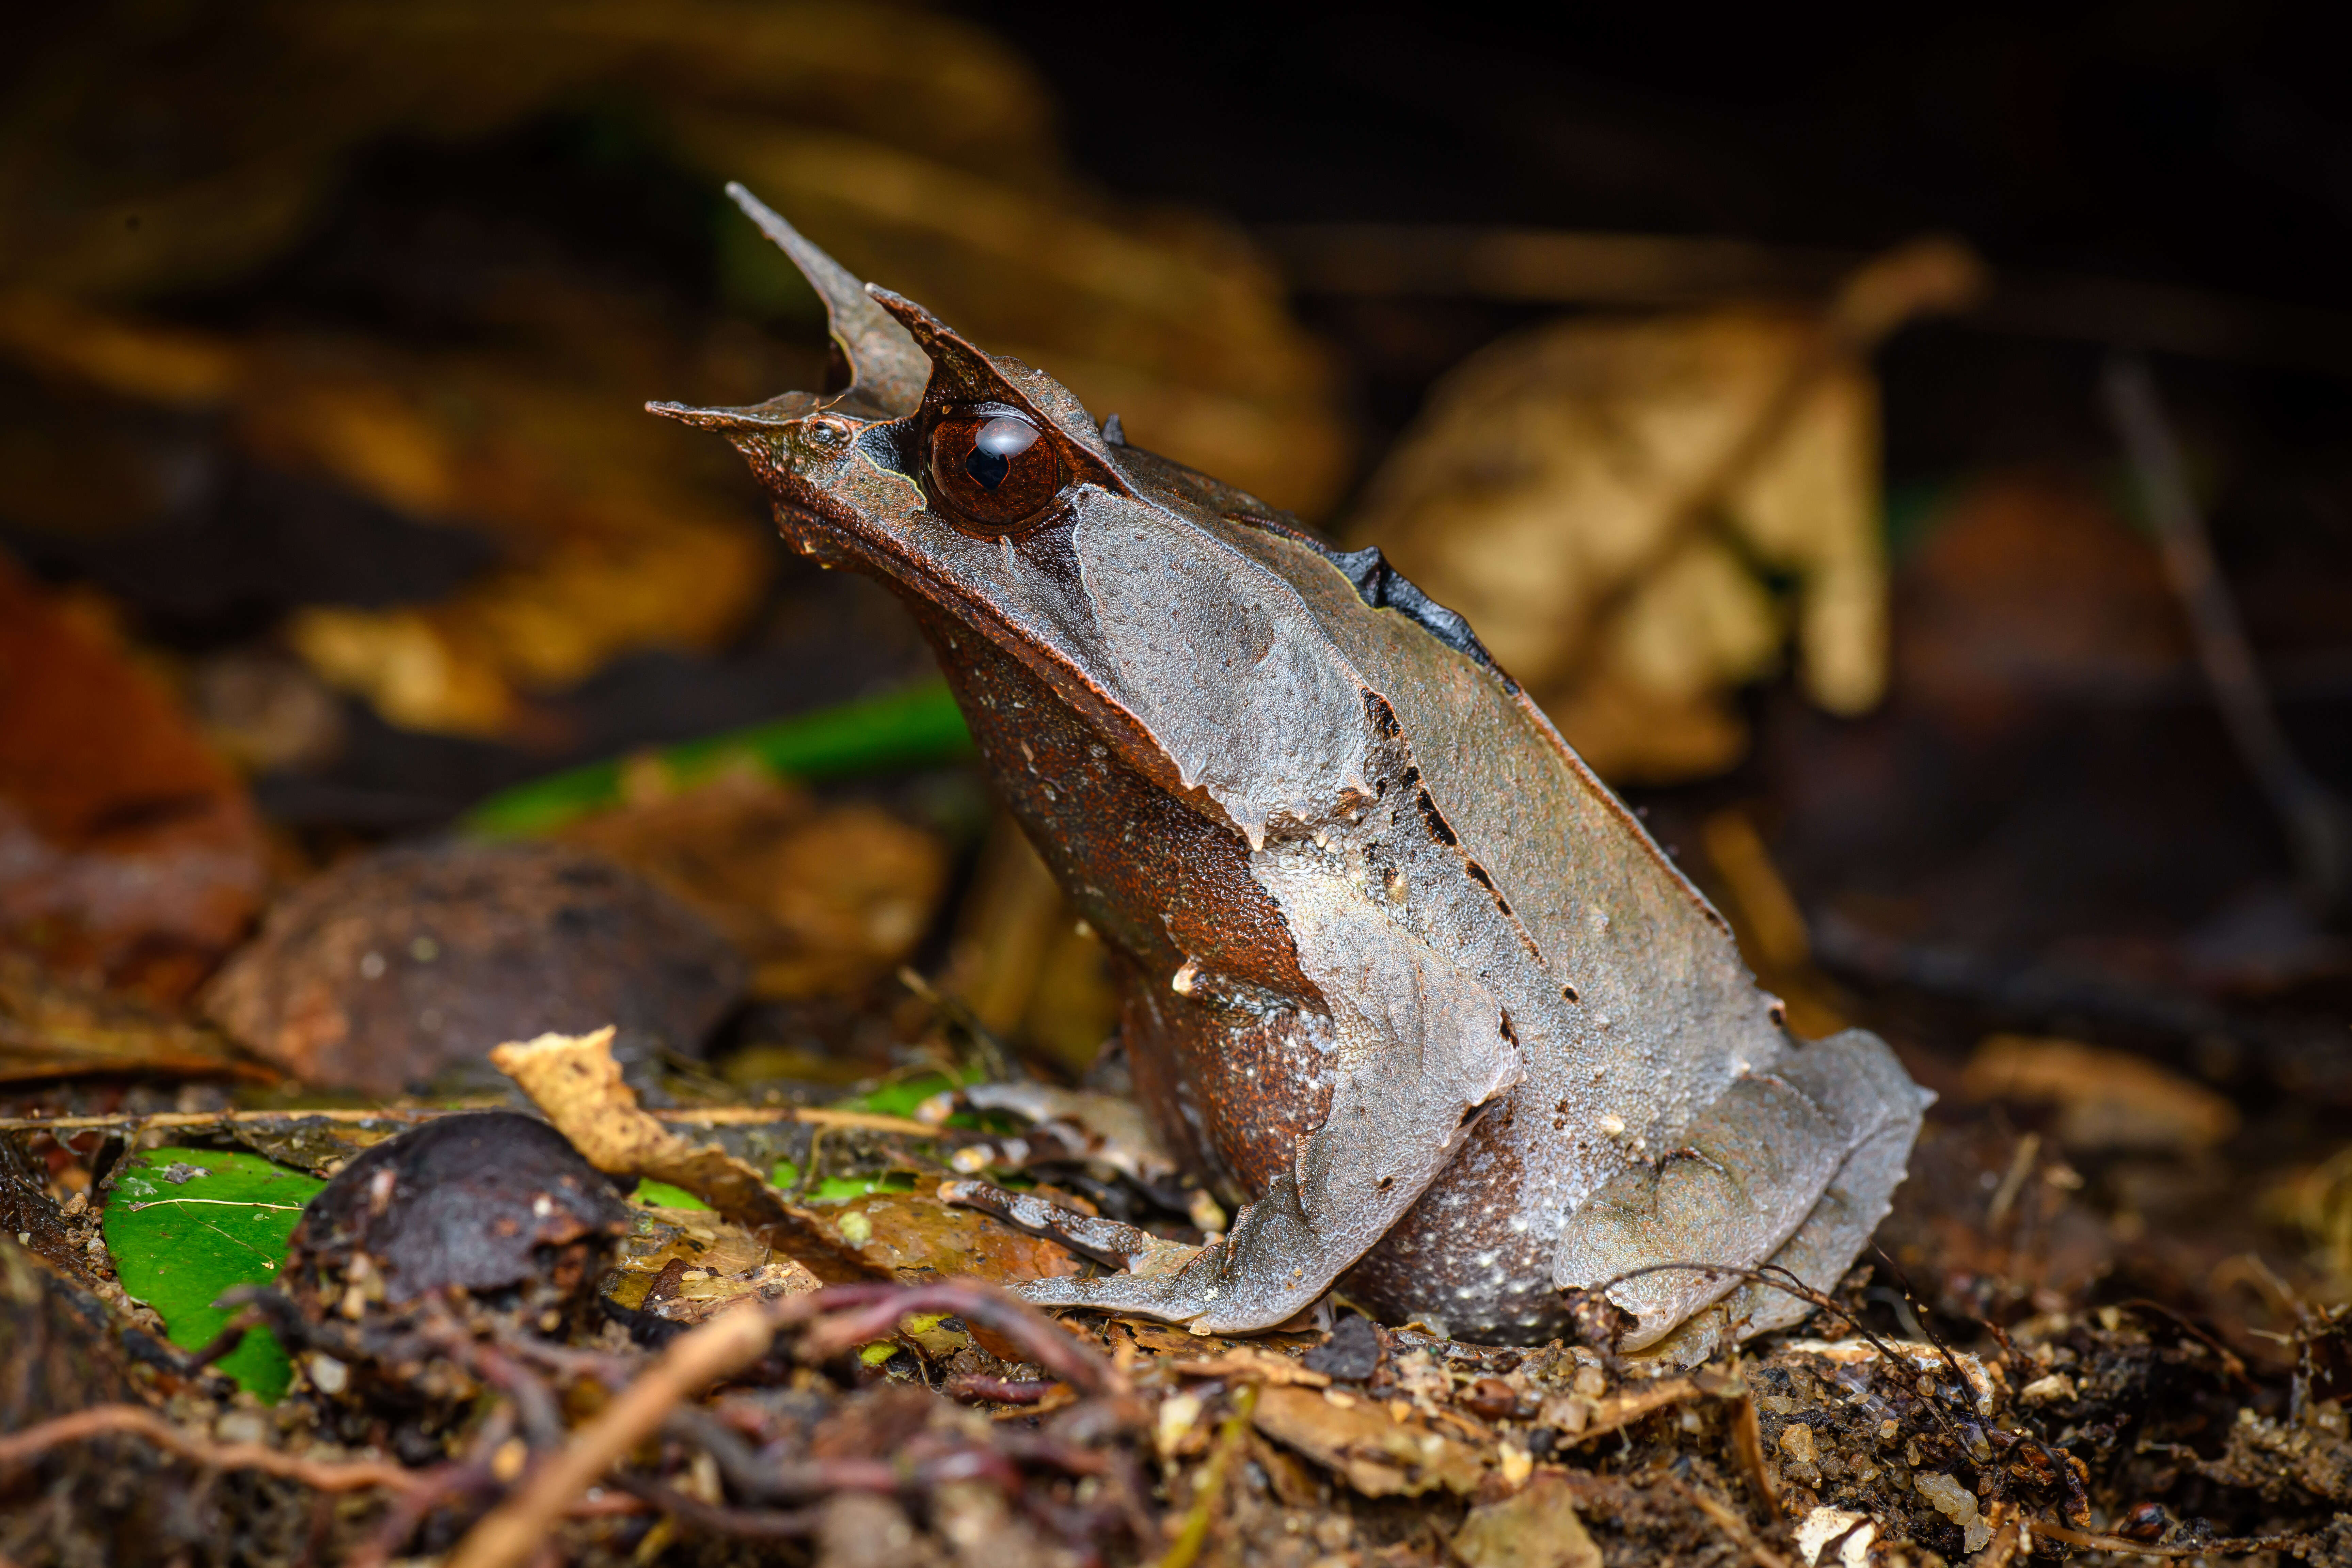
[[1399, 970]]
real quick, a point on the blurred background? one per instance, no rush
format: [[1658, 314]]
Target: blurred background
[[1910, 461]]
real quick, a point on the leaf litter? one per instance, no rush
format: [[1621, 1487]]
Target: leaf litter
[[789, 1345]]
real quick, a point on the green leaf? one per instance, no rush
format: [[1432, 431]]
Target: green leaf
[[841, 1189], [178, 1245], [901, 1097], [662, 1196], [917, 726]]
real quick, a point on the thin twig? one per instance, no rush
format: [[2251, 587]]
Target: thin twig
[[509, 1534], [746, 1524], [843, 1315], [978, 1387], [2101, 1541], [1782, 1280], [1211, 1491], [2318, 825], [1747, 1444], [708, 1116], [101, 1420], [868, 1313]]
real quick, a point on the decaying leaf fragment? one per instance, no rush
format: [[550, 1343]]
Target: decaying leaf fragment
[[1379, 1456], [2105, 1098], [50, 1028], [574, 1079], [1537, 1527], [612, 543], [681, 1266]]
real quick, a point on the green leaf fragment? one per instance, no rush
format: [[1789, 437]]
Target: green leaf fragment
[[179, 1244], [841, 1189], [902, 1098], [915, 727], [662, 1196]]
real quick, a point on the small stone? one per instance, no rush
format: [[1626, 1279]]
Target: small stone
[[1957, 1503], [1492, 1398], [242, 1426], [2046, 1390], [328, 1375], [1351, 1354]]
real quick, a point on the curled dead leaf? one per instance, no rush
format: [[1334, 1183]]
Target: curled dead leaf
[[575, 1081]]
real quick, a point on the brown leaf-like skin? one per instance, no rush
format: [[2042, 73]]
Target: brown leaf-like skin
[[1398, 969], [379, 972]]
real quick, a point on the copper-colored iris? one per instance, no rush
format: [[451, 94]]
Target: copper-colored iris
[[992, 471]]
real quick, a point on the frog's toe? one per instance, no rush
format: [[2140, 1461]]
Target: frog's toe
[[1164, 1297]]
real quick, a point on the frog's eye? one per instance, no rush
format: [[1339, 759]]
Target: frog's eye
[[993, 470]]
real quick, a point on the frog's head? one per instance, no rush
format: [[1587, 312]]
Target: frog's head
[[927, 462], [1149, 596]]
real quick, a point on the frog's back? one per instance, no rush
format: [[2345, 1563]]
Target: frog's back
[[1654, 986]]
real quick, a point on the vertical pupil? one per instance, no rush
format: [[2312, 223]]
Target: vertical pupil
[[988, 468]]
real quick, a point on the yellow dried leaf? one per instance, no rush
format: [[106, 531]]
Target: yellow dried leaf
[[2106, 1099]]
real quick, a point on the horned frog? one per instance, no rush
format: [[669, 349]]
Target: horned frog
[[1396, 968]]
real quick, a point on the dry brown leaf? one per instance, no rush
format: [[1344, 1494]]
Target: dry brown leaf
[[2106, 1099], [129, 852], [916, 1232], [1552, 466], [819, 900], [683, 1264], [1536, 1527], [1377, 1455], [381, 972], [574, 1079], [50, 1029], [264, 111], [915, 145], [617, 540]]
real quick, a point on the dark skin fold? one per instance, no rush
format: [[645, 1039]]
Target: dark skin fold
[[1399, 973]]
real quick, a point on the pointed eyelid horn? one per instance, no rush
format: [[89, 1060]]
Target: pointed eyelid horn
[[964, 372], [887, 371]]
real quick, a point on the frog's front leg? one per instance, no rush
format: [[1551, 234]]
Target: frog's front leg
[[1422, 1048]]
